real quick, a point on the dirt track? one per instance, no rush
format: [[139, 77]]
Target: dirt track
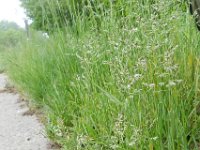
[[18, 132]]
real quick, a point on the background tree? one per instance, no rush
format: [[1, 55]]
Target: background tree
[[10, 35], [49, 15]]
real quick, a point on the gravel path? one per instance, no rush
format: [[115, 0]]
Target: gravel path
[[18, 132]]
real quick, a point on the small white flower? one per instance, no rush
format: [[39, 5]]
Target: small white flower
[[152, 85], [135, 137], [134, 29], [114, 146], [132, 143], [128, 86], [154, 138], [137, 76], [162, 75], [171, 84], [81, 140]]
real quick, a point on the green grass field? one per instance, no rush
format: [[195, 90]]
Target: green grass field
[[131, 84]]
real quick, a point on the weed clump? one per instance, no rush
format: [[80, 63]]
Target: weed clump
[[131, 83]]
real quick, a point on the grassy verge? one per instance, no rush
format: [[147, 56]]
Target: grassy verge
[[122, 87], [1, 62]]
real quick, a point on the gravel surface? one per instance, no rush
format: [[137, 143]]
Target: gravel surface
[[18, 132]]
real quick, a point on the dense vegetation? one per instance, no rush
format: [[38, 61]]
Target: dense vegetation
[[123, 76], [10, 36]]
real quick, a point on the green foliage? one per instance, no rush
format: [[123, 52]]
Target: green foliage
[[41, 14], [10, 35], [51, 15], [5, 25]]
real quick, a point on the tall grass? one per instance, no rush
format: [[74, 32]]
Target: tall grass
[[131, 84]]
